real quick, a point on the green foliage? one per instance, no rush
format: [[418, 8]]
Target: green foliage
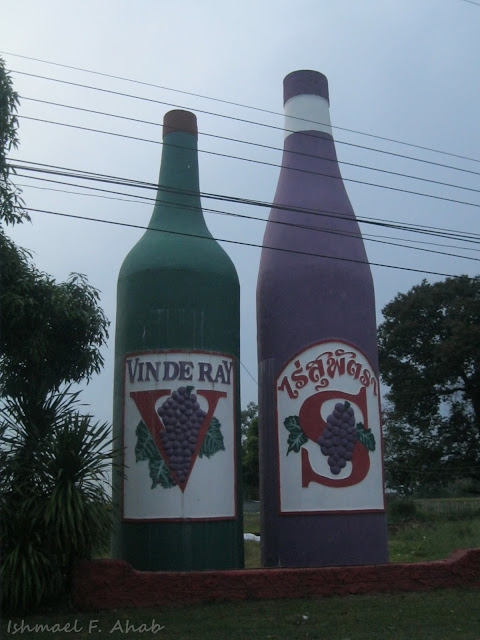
[[246, 417], [146, 449], [11, 211], [442, 614], [213, 440], [366, 437], [432, 538], [296, 437], [53, 328], [449, 508], [54, 494], [251, 521], [250, 455], [51, 333], [463, 487], [429, 347], [401, 509], [55, 461]]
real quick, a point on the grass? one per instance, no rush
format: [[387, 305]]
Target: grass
[[251, 522], [414, 536], [439, 615], [433, 540], [420, 536]]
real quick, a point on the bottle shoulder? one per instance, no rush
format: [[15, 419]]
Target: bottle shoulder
[[163, 252]]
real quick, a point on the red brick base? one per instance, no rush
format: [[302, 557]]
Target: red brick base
[[113, 584]]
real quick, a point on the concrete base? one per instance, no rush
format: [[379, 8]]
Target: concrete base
[[114, 584]]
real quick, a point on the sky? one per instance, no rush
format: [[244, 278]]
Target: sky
[[406, 70]]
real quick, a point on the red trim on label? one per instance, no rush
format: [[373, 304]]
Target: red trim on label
[[147, 352], [381, 449], [315, 344], [202, 433], [360, 454], [332, 512], [177, 519]]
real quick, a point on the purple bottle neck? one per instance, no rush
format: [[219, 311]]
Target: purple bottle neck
[[306, 103], [324, 263]]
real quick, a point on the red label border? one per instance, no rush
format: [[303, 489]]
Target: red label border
[[234, 385], [323, 511]]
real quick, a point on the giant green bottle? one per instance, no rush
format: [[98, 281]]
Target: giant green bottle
[[176, 388]]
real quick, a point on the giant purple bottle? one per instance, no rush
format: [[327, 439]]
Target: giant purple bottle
[[321, 488]]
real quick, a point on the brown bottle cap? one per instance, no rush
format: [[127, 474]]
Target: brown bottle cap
[[179, 120], [305, 82]]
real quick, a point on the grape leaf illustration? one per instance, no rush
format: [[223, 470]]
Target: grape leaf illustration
[[366, 437], [213, 440], [160, 473], [296, 437], [146, 449]]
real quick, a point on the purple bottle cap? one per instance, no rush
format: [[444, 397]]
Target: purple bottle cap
[[179, 120], [305, 82]]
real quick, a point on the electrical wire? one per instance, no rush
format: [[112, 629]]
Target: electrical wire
[[220, 115], [435, 231], [290, 224], [87, 175], [270, 164], [240, 243], [237, 104], [267, 111], [256, 381], [137, 199], [250, 143]]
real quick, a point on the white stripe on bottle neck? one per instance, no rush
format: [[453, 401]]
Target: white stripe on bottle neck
[[307, 112]]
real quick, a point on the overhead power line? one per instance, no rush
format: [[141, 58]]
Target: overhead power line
[[237, 104], [114, 180], [145, 200], [459, 236], [228, 117], [240, 243], [256, 381], [271, 164], [249, 143], [52, 170], [357, 236]]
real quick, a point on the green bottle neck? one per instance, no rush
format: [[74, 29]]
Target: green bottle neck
[[178, 206]]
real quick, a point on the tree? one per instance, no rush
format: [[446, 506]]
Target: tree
[[51, 328], [250, 457], [55, 459], [11, 210], [51, 333], [429, 348]]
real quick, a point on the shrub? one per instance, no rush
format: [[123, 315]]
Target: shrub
[[401, 510], [54, 495]]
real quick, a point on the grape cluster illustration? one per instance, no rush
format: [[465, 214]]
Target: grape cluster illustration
[[339, 437], [182, 417]]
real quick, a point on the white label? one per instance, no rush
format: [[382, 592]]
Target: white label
[[329, 432], [179, 436], [307, 112]]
